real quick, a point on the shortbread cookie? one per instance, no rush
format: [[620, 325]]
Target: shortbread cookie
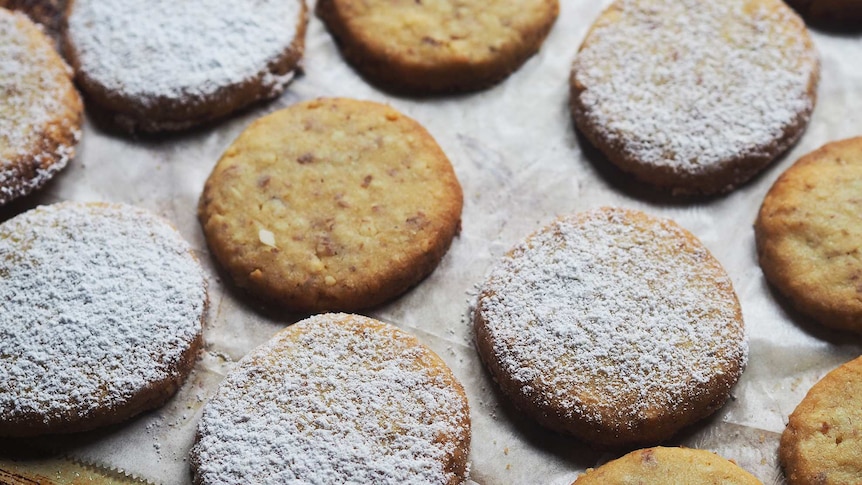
[[693, 96], [611, 325], [165, 65], [40, 111], [333, 204], [336, 398], [435, 46], [809, 235], [840, 13], [101, 308], [822, 444], [668, 465]]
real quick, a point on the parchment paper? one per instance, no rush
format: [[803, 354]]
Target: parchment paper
[[521, 164]]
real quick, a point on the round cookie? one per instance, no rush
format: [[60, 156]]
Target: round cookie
[[437, 46], [613, 326], [809, 235], [840, 13], [668, 465], [166, 65], [822, 443], [40, 111], [695, 97], [332, 204], [101, 308], [336, 398]]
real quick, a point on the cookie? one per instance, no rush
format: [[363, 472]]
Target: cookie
[[41, 111], [332, 204], [163, 65], [612, 325], [101, 308], [694, 97], [668, 465], [336, 398], [808, 235], [822, 443], [835, 13], [438, 46]]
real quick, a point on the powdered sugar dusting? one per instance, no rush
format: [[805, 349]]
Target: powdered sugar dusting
[[170, 49], [691, 85], [33, 82], [612, 316], [334, 399], [96, 303]]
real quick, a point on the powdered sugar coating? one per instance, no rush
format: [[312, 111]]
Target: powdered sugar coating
[[335, 399], [39, 108], [689, 87], [185, 50], [612, 318], [97, 304]]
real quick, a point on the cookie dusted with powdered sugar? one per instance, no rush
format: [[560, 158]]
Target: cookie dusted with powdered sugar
[[169, 65], [40, 111], [668, 465], [438, 46], [613, 326], [101, 308], [336, 398], [693, 96]]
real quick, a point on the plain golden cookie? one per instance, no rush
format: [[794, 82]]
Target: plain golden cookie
[[336, 398], [101, 309], [836, 13], [694, 97], [822, 444], [40, 111], [162, 65], [612, 325], [332, 204], [434, 46], [671, 466], [809, 235]]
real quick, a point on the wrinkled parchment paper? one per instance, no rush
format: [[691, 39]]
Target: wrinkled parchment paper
[[521, 164]]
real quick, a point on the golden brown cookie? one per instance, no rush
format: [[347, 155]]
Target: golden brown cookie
[[40, 111], [691, 96], [336, 398], [669, 466], [434, 46], [809, 235], [836, 13], [822, 444], [332, 204], [165, 65], [101, 308], [612, 325], [49, 13]]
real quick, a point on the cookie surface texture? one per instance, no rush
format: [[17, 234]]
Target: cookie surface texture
[[434, 46], [822, 443], [336, 398], [166, 65], [809, 235], [101, 308], [613, 326], [332, 204], [41, 111], [668, 465], [694, 97]]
